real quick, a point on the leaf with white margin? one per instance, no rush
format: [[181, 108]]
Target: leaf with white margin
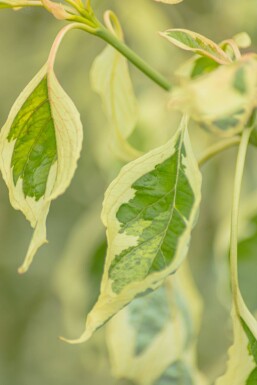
[[111, 80], [40, 144], [149, 211], [242, 363], [194, 42], [15, 4], [232, 96], [158, 332]]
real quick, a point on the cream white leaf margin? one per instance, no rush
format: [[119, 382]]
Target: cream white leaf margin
[[166, 322], [120, 192], [194, 42], [241, 362], [110, 78], [68, 134]]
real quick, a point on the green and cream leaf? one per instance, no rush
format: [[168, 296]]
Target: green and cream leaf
[[196, 43], [40, 144], [149, 211], [158, 331]]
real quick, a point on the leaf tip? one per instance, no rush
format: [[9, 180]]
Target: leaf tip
[[83, 338]]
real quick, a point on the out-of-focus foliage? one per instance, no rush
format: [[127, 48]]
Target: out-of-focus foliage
[[63, 283]]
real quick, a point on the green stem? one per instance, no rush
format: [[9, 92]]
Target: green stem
[[144, 67], [235, 211], [217, 148]]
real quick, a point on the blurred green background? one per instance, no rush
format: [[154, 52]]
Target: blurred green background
[[53, 297]]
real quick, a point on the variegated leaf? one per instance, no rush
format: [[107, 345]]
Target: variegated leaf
[[158, 332], [194, 42], [221, 101], [39, 147], [149, 212]]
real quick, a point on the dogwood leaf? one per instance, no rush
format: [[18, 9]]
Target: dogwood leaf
[[149, 212], [39, 147]]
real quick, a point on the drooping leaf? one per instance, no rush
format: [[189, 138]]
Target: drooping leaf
[[111, 80], [158, 332], [231, 97], [194, 42], [39, 145], [149, 212]]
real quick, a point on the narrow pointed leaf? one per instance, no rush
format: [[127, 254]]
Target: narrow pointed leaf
[[158, 332], [149, 212], [111, 80], [39, 146], [194, 42]]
